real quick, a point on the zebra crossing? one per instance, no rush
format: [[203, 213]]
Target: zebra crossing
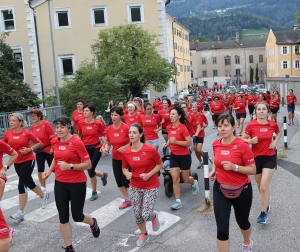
[[107, 213]]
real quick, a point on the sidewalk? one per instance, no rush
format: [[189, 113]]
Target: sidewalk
[[281, 233]]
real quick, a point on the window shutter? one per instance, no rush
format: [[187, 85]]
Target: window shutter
[[288, 64], [288, 51]]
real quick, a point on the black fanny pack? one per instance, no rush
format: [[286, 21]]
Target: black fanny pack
[[40, 149], [93, 146]]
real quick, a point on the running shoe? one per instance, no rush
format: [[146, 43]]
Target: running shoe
[[200, 165], [240, 134], [125, 204], [292, 122], [94, 196], [155, 222], [195, 187], [289, 123], [67, 249], [214, 127], [262, 218], [104, 179], [11, 234], [176, 205], [95, 229], [19, 215], [45, 200], [268, 209], [143, 238], [247, 248]]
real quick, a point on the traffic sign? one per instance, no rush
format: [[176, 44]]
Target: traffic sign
[[287, 77]]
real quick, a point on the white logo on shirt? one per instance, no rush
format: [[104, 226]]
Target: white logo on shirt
[[225, 152], [89, 128], [79, 114], [16, 137], [173, 132], [136, 158], [148, 120], [38, 129], [62, 147], [263, 129], [116, 134]]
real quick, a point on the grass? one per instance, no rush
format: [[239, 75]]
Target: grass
[[281, 155], [252, 33]]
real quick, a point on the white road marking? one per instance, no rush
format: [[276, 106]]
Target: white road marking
[[297, 113], [108, 213]]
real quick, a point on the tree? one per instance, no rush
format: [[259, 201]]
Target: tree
[[129, 53], [256, 74], [200, 39], [251, 75], [15, 94]]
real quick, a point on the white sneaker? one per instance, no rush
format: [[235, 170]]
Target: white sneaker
[[19, 215], [45, 200]]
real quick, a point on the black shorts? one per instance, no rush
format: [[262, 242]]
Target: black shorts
[[269, 162], [182, 161], [274, 110], [251, 109], [163, 131], [199, 140], [215, 117], [239, 116]]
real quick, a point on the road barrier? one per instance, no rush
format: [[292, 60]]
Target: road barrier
[[206, 178], [285, 132]]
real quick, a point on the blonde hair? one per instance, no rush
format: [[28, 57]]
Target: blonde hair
[[20, 118], [100, 118]]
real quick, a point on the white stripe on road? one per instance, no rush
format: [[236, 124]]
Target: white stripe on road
[[14, 201], [166, 220], [107, 213], [297, 113], [13, 185], [40, 215]]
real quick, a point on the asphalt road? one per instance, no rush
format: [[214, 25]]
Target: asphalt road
[[40, 229]]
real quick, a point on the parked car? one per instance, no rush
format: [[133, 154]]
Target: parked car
[[232, 89], [184, 92], [194, 95]]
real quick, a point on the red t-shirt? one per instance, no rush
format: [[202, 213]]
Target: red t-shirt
[[217, 108], [71, 152], [44, 132], [77, 116], [291, 99], [150, 123], [264, 133], [4, 228], [238, 152], [180, 133], [274, 103], [90, 132], [156, 105], [241, 105], [201, 119], [251, 99], [4, 148], [200, 106], [141, 111], [19, 140], [128, 119], [192, 124], [142, 161], [117, 138], [166, 116]]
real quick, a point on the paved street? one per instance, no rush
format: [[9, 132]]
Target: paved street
[[181, 230]]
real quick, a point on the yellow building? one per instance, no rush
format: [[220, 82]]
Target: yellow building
[[75, 26]]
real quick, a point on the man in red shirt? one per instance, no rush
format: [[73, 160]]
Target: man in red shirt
[[290, 102]]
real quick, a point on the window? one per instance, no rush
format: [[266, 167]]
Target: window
[[237, 59], [7, 18], [184, 68], [261, 58], [18, 55], [227, 72], [214, 60], [297, 49], [192, 74], [181, 69], [203, 61], [297, 64], [215, 73], [204, 74], [175, 46], [135, 13], [284, 50], [284, 64], [191, 62], [227, 61], [62, 18], [67, 65], [174, 30], [250, 58], [99, 15], [238, 71]]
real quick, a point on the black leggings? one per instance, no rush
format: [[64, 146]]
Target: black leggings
[[95, 156], [74, 192], [41, 158], [24, 171], [222, 208], [118, 173]]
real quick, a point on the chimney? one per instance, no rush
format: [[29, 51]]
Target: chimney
[[237, 37], [219, 37]]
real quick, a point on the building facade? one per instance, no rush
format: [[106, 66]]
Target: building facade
[[75, 26], [227, 62]]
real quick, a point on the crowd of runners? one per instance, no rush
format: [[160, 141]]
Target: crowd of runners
[[133, 135]]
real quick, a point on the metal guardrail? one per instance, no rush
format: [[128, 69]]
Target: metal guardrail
[[49, 114]]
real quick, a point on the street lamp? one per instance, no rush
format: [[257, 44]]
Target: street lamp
[[261, 70]]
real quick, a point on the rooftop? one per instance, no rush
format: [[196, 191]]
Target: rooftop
[[287, 37]]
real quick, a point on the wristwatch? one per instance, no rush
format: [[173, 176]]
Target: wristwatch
[[71, 167], [6, 166], [236, 168]]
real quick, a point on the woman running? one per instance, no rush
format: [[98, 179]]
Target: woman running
[[132, 116], [19, 139], [90, 131], [156, 105], [139, 105], [216, 109], [117, 137], [233, 162], [145, 163], [251, 100], [240, 110], [259, 133], [151, 126], [78, 114], [274, 106], [43, 130], [180, 160], [70, 161], [290, 102], [164, 116]]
